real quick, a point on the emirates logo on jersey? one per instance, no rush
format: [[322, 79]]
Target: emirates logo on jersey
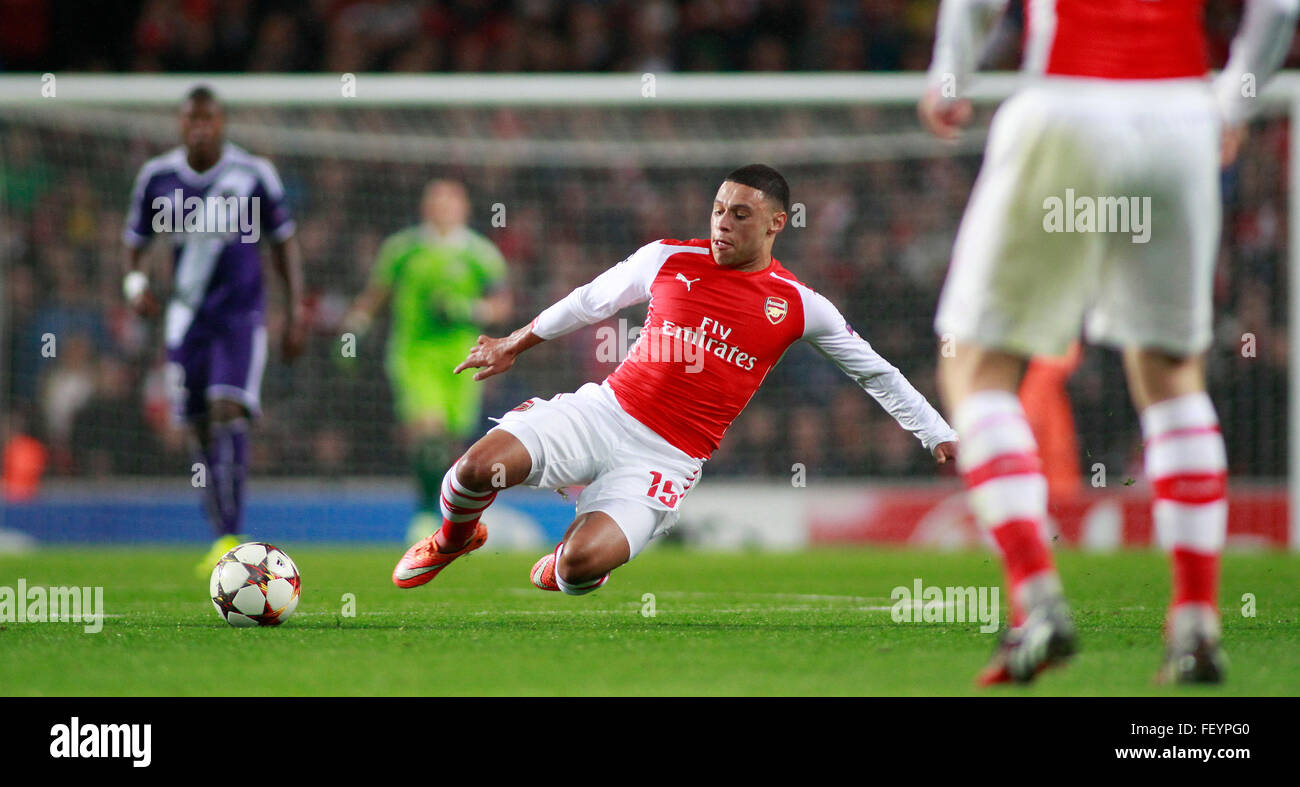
[[776, 309]]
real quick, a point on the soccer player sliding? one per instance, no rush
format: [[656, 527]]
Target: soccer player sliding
[[216, 342], [1119, 109], [722, 312]]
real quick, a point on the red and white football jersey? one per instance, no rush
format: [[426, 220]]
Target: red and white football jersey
[[1121, 40], [712, 334], [1116, 39]]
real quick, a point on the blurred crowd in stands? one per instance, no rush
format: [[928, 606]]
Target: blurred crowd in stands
[[483, 35], [84, 377]]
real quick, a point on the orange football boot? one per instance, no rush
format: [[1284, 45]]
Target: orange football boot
[[543, 573], [423, 561]]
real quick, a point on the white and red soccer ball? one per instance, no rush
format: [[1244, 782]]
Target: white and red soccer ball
[[255, 584]]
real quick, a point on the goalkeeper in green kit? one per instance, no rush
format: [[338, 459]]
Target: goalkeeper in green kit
[[446, 282]]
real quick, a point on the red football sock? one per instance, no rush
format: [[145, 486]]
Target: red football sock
[[461, 510], [1196, 577], [1187, 464], [1024, 555], [1008, 493]]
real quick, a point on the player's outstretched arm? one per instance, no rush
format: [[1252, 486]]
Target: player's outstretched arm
[[604, 296], [826, 329]]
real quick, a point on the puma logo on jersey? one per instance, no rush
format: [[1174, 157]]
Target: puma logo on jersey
[[688, 282]]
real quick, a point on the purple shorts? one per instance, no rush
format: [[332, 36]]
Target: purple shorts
[[225, 363]]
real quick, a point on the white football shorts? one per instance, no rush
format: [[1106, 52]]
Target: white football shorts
[[630, 472], [1098, 204]]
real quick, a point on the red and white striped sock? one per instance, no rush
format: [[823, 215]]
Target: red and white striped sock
[[1008, 493], [1187, 465], [461, 509], [575, 588]]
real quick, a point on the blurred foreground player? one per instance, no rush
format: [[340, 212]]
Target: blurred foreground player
[[215, 202], [446, 282], [722, 312], [1120, 111]]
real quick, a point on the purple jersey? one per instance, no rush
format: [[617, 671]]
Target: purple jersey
[[214, 220]]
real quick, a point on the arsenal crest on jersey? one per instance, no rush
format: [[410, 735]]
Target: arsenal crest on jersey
[[775, 309]]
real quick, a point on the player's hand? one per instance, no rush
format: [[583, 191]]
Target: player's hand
[[356, 322], [945, 452], [294, 340], [135, 287], [145, 305], [1230, 146], [493, 356], [943, 117]]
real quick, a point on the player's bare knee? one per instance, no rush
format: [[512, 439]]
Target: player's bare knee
[[1156, 376], [949, 381], [495, 462], [972, 368], [474, 473], [481, 470], [956, 377], [580, 562], [223, 411]]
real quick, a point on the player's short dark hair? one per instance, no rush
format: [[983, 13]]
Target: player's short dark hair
[[766, 180], [201, 93]]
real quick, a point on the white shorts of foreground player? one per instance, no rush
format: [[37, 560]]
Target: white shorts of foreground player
[[632, 474], [1016, 285]]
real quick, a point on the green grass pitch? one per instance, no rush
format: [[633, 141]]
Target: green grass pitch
[[806, 623]]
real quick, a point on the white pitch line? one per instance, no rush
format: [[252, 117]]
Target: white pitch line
[[689, 610], [796, 596], [741, 594]]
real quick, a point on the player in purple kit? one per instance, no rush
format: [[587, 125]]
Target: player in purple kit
[[215, 201]]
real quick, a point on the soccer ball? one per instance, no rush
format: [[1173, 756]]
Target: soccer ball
[[255, 584]]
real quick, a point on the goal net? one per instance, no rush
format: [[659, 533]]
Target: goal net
[[567, 176]]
